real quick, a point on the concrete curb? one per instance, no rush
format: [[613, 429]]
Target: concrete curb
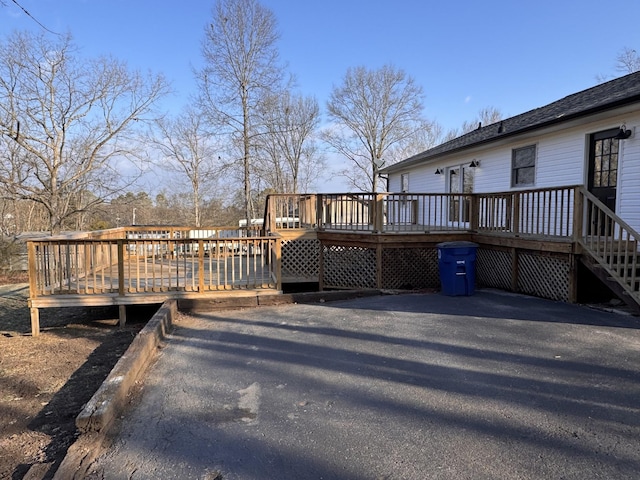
[[110, 399], [250, 301]]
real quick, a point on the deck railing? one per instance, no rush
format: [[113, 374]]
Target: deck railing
[[290, 211], [156, 259], [426, 212], [537, 212], [541, 212], [152, 263]]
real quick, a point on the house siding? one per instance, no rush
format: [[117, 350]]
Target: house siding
[[561, 160], [628, 202]]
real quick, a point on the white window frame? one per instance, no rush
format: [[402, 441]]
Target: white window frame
[[514, 170]]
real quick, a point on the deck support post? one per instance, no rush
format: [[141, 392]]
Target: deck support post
[[379, 266], [33, 288], [573, 278], [122, 314], [321, 267], [514, 269], [35, 321]]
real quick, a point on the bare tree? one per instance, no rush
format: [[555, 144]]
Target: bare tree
[[373, 110], [242, 68], [289, 155], [486, 116], [427, 136], [65, 121], [187, 148], [628, 61]]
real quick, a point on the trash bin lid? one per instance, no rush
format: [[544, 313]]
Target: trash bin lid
[[458, 244]]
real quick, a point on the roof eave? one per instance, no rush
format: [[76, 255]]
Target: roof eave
[[539, 126]]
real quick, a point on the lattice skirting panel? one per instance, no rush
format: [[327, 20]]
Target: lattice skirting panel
[[493, 268], [301, 258], [410, 268], [541, 274], [545, 276], [349, 267]]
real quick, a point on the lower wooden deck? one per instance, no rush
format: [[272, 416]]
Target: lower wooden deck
[[229, 299]]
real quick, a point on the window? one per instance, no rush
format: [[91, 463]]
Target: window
[[523, 166], [404, 182]]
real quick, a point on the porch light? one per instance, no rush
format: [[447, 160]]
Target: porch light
[[623, 134], [474, 163], [439, 171]]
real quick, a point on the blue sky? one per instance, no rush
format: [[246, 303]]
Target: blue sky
[[512, 55]]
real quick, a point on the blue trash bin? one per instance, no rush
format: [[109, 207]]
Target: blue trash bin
[[457, 265]]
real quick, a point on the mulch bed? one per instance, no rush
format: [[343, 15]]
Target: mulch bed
[[46, 380]]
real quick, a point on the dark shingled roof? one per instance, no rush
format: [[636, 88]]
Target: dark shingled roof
[[612, 94]]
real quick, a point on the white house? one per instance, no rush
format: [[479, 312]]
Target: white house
[[590, 138]]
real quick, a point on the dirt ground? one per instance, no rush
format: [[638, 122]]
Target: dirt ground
[[46, 380]]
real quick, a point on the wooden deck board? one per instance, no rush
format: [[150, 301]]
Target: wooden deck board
[[108, 299]]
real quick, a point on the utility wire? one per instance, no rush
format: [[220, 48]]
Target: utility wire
[[33, 18]]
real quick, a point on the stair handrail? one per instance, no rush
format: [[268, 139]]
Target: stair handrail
[[609, 238]]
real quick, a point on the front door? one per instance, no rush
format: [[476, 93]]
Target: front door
[[460, 182], [603, 166]]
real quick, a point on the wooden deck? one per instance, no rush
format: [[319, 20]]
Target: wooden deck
[[148, 267], [529, 242]]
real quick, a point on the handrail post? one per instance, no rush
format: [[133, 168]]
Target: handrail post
[[201, 265], [122, 309], [33, 271], [319, 211], [278, 265], [33, 288], [120, 247], [271, 214], [312, 213], [378, 215], [578, 213], [474, 214], [516, 212]]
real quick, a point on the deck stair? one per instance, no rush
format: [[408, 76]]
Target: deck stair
[[610, 251]]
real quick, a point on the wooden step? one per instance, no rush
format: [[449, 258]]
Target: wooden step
[[628, 290]]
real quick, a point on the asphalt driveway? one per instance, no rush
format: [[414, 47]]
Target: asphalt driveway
[[493, 386]]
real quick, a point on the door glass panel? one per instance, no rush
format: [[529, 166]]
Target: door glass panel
[[467, 187], [454, 200], [605, 162], [454, 180], [468, 174], [461, 181], [596, 179], [603, 167]]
